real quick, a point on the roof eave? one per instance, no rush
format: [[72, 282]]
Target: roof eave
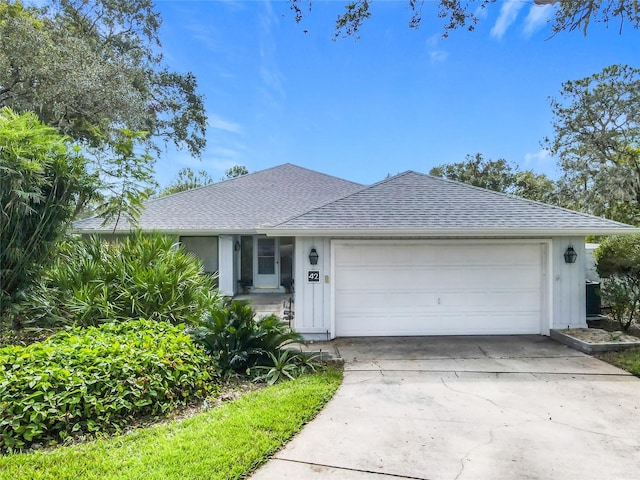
[[449, 232], [172, 231]]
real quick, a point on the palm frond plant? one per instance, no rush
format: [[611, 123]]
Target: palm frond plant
[[237, 342], [286, 365], [138, 276]]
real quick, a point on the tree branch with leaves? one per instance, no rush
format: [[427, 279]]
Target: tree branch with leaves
[[92, 67], [465, 14], [597, 141]]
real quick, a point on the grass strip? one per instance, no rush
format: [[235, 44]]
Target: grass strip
[[227, 442], [628, 359]]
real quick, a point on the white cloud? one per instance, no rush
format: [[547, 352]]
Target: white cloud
[[272, 78], [270, 74], [537, 159], [433, 41], [216, 121], [480, 12], [537, 17], [508, 14], [436, 55]]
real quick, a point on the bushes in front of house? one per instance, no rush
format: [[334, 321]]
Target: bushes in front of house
[[618, 264], [239, 344], [138, 276], [86, 380]]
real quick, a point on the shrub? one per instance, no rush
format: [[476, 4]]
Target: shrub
[[287, 365], [83, 381], [237, 342], [618, 263], [40, 180], [139, 276]]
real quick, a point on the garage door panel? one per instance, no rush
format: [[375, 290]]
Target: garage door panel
[[491, 300], [441, 277], [407, 325], [409, 288], [494, 301], [382, 301]]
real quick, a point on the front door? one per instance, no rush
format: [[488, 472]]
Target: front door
[[266, 258]]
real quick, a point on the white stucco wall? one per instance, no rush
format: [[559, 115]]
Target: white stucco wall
[[563, 294]]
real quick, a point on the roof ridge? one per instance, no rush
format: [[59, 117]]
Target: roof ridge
[[364, 187], [320, 173], [224, 180], [189, 190]]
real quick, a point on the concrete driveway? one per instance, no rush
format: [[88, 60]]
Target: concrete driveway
[[512, 407]]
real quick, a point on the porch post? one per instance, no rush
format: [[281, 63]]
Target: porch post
[[226, 255]]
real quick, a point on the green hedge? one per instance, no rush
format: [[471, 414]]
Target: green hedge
[[84, 381]]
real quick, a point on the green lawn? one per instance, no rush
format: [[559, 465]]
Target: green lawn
[[628, 360], [227, 442]]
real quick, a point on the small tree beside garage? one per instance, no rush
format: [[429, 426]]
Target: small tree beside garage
[[618, 264]]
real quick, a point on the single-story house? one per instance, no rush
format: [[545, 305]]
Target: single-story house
[[410, 255]]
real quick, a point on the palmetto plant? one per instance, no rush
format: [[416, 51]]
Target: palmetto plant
[[237, 342], [139, 276], [286, 365]]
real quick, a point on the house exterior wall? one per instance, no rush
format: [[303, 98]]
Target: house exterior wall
[[569, 285], [226, 270], [563, 290], [205, 248], [313, 300]]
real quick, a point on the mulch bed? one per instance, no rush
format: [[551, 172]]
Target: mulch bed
[[610, 325]]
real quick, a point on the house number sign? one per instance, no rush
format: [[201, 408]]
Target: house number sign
[[313, 276]]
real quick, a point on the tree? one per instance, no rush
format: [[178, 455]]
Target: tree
[[236, 171], [597, 140], [496, 175], [187, 179], [618, 263], [40, 180], [91, 67], [534, 186], [126, 179], [499, 176], [569, 15]]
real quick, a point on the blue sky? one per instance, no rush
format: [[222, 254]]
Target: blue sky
[[396, 99]]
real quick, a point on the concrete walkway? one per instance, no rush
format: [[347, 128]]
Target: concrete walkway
[[459, 408]]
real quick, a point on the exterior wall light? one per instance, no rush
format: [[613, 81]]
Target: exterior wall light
[[313, 257], [237, 246], [570, 255]]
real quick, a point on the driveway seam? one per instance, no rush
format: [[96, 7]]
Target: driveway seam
[[350, 469], [579, 374], [438, 359]]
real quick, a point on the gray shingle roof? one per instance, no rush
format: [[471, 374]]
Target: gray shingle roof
[[416, 203], [237, 205]]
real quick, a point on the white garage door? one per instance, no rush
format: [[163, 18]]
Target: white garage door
[[414, 288]]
